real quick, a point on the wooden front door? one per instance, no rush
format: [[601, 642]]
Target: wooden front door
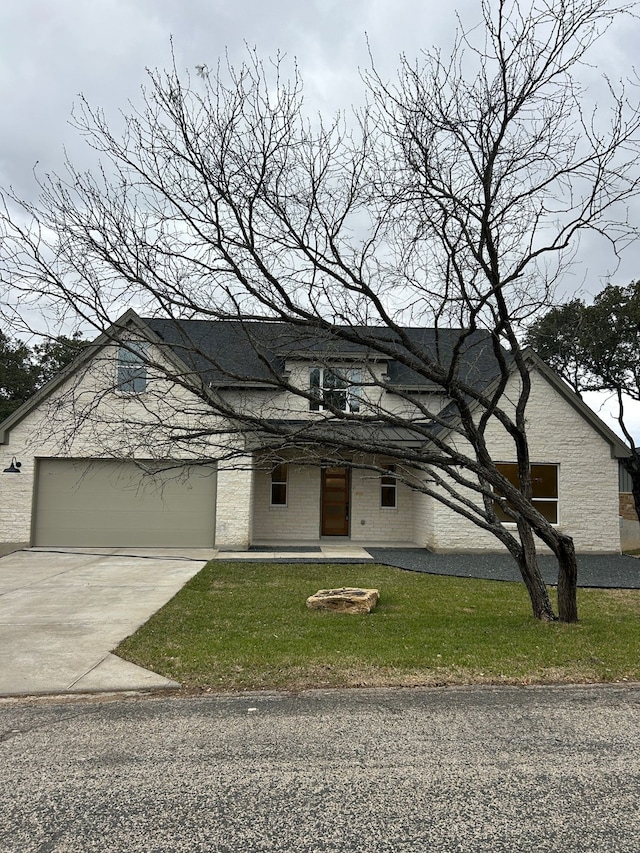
[[335, 501]]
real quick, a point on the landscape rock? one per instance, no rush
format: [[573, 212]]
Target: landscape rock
[[344, 600]]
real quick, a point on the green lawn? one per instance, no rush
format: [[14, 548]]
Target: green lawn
[[245, 626]]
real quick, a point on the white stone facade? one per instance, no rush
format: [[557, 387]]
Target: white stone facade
[[233, 504], [300, 519], [587, 480], [85, 418]]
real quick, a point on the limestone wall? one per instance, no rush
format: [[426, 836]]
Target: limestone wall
[[300, 519], [587, 478], [86, 418], [627, 506]]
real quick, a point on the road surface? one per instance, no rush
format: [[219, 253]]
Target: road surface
[[471, 769]]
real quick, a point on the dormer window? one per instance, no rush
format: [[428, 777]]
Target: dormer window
[[132, 368], [336, 388]]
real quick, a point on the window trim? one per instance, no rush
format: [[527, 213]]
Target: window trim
[[351, 377], [539, 499], [131, 367], [279, 482], [389, 487]]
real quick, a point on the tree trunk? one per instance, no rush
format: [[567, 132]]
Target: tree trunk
[[632, 465], [636, 497], [530, 571], [565, 552], [567, 579]]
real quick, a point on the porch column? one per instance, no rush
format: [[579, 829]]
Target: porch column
[[234, 503]]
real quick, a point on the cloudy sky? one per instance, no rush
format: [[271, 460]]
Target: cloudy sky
[[53, 50]]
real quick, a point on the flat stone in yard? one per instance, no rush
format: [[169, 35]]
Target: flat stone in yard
[[344, 600]]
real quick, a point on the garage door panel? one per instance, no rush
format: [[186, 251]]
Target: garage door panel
[[105, 503], [123, 521]]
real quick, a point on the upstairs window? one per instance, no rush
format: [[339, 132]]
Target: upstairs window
[[279, 485], [132, 368], [544, 487], [389, 488], [335, 389]]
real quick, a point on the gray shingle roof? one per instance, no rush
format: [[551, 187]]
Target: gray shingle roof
[[224, 352]]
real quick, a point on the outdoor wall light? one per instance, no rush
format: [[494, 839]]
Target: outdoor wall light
[[14, 468]]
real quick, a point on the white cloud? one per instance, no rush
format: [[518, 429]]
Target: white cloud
[[52, 51]]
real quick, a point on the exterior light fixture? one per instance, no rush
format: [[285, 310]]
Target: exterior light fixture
[[14, 468]]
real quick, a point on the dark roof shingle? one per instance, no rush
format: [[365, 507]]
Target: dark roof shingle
[[222, 351]]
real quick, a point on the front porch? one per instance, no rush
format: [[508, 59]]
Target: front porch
[[331, 506]]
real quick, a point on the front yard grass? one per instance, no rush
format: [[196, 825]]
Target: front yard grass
[[240, 626]]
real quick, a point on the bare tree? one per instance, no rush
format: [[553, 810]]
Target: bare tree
[[452, 201]]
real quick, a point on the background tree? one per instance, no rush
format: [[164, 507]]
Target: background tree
[[25, 369], [555, 336], [451, 202], [54, 354], [596, 347], [18, 375]]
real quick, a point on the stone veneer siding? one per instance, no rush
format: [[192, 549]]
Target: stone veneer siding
[[233, 505], [108, 425], [587, 487], [627, 506], [300, 519], [381, 524], [16, 496]]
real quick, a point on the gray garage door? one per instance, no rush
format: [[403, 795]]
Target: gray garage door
[[104, 502]]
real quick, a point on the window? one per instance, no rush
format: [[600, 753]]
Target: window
[[389, 488], [544, 489], [335, 389], [132, 370], [279, 485]]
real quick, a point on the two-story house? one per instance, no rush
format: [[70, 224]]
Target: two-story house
[[190, 434]]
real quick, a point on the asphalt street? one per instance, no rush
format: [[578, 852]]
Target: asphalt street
[[462, 769]]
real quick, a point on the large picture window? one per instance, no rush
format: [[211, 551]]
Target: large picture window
[[132, 368], [279, 485], [335, 389], [544, 486]]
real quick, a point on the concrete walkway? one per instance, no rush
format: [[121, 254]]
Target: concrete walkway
[[321, 553], [61, 613]]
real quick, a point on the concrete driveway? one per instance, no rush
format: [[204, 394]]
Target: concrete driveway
[[61, 613]]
